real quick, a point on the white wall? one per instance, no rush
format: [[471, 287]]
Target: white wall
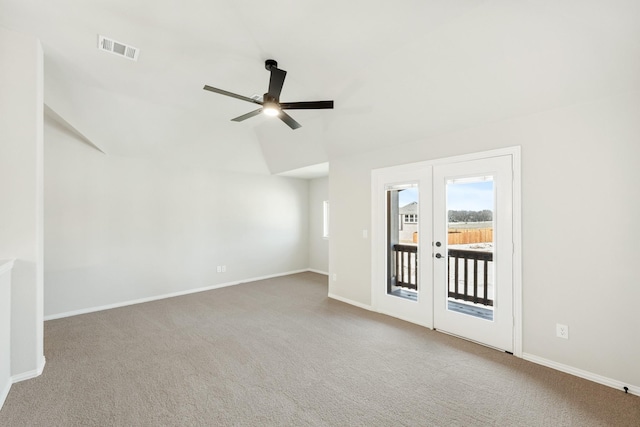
[[318, 246], [5, 329], [120, 229], [21, 76], [580, 227]]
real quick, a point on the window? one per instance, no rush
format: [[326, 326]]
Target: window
[[325, 219], [411, 218]]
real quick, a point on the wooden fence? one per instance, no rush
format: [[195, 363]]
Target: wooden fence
[[463, 236]]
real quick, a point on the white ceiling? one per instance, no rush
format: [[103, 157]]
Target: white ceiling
[[398, 71], [309, 172]]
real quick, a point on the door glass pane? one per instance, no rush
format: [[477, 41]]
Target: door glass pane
[[470, 246], [402, 241]]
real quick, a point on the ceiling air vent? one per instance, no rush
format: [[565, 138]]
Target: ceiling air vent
[[117, 48]]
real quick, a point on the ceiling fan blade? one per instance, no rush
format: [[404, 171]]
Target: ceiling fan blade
[[233, 95], [289, 120], [247, 116], [312, 105], [276, 81]]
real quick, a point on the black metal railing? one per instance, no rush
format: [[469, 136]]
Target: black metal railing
[[469, 279], [468, 275], [406, 263]]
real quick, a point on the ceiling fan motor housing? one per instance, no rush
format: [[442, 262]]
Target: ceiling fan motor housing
[[269, 63], [268, 99]]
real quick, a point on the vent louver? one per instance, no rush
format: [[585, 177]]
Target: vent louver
[[117, 48]]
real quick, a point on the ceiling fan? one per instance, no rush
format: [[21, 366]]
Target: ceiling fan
[[270, 102]]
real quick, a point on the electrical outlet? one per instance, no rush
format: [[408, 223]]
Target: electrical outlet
[[224, 268], [562, 331], [219, 269], [335, 277]]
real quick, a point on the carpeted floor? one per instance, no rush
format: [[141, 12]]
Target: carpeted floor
[[279, 352]]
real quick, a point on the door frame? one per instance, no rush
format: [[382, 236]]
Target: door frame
[[384, 176]]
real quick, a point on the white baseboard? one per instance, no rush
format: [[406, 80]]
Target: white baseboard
[[313, 270], [619, 385], [4, 392], [163, 296], [349, 301], [30, 374]]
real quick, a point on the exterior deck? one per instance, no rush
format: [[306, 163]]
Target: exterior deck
[[470, 273]]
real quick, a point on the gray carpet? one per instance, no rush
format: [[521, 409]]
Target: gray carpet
[[279, 352]]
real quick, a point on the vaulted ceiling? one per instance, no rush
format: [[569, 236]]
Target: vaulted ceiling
[[398, 71]]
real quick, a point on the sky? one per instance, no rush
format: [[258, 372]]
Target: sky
[[407, 196], [472, 196], [469, 196]]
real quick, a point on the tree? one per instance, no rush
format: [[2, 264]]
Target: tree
[[470, 216]]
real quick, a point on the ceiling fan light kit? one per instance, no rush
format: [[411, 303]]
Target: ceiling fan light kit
[[271, 110], [271, 105]]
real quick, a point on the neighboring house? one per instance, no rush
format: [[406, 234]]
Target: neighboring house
[[409, 223]]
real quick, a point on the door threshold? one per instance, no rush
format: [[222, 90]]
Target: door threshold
[[470, 310], [405, 293]]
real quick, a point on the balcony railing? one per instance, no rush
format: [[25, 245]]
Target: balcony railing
[[406, 262], [469, 273], [475, 266]]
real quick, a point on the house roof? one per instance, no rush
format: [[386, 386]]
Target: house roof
[[411, 208], [398, 71]]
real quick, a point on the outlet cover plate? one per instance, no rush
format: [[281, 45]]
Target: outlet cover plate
[[562, 331]]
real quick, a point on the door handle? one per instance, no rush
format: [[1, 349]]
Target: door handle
[[438, 256]]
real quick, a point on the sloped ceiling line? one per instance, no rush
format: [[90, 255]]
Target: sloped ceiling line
[[49, 112]]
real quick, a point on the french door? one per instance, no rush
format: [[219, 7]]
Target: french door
[[401, 267], [443, 252], [473, 249]]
